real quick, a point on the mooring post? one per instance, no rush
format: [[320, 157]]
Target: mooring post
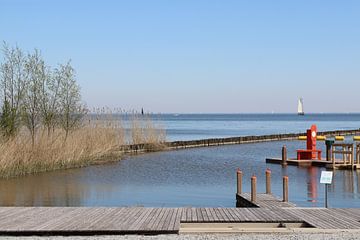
[[253, 188], [285, 189], [268, 181], [239, 181], [284, 155]]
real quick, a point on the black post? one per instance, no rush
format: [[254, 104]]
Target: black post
[[328, 144], [284, 155], [326, 195]]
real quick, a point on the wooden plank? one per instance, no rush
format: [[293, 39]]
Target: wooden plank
[[219, 216], [204, 215], [256, 215], [223, 217], [114, 219], [228, 213], [159, 221], [100, 220], [209, 216], [145, 226], [240, 216], [25, 220], [167, 221], [175, 217], [250, 215], [183, 214], [177, 220], [14, 215], [136, 225], [189, 214], [199, 215], [57, 216], [154, 215], [315, 218]]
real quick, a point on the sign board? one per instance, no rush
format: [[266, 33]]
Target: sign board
[[326, 177]]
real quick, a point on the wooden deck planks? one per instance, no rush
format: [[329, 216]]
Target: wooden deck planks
[[326, 218], [267, 200], [163, 220]]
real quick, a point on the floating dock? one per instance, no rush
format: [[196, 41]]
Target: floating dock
[[301, 163], [339, 164]]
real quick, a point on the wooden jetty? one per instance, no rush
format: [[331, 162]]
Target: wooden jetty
[[138, 220], [349, 158], [332, 164], [263, 200], [301, 163]]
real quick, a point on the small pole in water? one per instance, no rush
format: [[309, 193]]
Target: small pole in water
[[253, 188], [268, 181], [239, 181], [285, 188], [326, 195], [284, 155]]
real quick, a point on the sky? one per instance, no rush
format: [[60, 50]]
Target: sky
[[198, 56]]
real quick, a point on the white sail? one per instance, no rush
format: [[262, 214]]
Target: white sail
[[300, 107]]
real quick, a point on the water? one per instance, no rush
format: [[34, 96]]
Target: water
[[200, 126], [194, 177]]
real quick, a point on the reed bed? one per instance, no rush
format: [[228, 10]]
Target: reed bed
[[98, 140]]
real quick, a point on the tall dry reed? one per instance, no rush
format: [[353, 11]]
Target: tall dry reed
[[99, 140]]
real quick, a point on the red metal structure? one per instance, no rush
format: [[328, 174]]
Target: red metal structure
[[310, 153]]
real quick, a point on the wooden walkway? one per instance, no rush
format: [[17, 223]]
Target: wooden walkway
[[328, 218], [138, 220], [338, 164], [232, 215], [82, 220], [263, 200]]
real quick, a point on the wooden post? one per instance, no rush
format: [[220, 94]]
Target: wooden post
[[253, 188], [357, 153], [333, 156], [284, 155], [285, 189], [239, 181], [352, 158], [268, 181]]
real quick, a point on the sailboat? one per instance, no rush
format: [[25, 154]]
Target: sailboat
[[300, 107]]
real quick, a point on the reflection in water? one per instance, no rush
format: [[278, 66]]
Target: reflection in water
[[312, 184], [60, 188], [191, 177]]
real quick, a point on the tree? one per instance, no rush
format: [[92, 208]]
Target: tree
[[36, 73], [71, 109], [49, 104], [12, 82]]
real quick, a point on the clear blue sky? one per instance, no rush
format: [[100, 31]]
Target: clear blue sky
[[199, 56]]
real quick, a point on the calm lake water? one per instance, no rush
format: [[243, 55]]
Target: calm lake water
[[201, 126], [194, 177]]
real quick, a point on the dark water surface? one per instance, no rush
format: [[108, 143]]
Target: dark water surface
[[191, 177]]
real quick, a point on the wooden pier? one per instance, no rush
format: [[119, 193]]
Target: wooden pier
[[340, 156], [263, 200], [302, 163], [138, 220]]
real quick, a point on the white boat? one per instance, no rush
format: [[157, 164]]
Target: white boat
[[300, 107]]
